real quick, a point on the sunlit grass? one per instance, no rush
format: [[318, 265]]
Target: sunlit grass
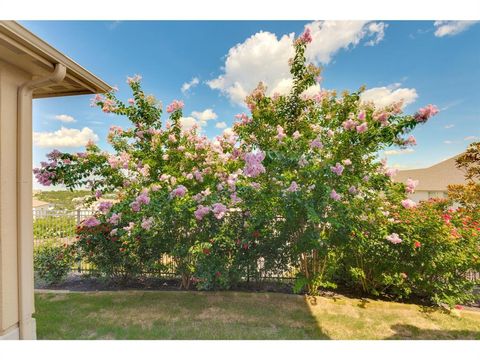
[[241, 315]]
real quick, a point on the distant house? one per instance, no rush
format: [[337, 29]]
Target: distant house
[[40, 208], [434, 180]]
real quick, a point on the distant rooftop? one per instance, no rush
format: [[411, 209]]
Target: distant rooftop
[[436, 177]]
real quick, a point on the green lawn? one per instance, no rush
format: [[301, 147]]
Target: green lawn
[[241, 315]]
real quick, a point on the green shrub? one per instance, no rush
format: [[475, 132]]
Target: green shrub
[[52, 262]]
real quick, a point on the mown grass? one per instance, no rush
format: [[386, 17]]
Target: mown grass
[[241, 315]]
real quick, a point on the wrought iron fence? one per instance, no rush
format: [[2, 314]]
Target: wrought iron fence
[[59, 226]]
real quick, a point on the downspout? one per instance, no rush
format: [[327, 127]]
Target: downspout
[[24, 200]]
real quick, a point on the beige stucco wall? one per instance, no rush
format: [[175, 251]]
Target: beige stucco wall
[[425, 195], [10, 79]]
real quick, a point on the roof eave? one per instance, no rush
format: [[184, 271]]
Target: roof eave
[[52, 56]]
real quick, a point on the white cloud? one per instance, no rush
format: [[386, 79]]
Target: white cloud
[[468, 138], [448, 142], [221, 125], [264, 56], [64, 137], [204, 116], [187, 122], [65, 118], [449, 126], [399, 152], [188, 85], [328, 37], [387, 95], [450, 28], [199, 118]]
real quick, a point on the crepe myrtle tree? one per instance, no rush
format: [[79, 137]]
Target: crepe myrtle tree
[[316, 157], [276, 188], [167, 180]]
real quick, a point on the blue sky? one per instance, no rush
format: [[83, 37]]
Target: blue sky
[[423, 62]]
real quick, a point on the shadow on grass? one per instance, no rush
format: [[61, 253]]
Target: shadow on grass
[[175, 315], [410, 332]]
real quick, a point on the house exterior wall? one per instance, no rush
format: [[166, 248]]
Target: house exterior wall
[[425, 195], [10, 80]]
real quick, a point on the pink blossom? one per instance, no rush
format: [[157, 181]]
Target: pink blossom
[[143, 198], [411, 185], [381, 117], [91, 222], [425, 113], [130, 226], [316, 144], [347, 162], [131, 101], [155, 187], [135, 206], [293, 187], [255, 185], [114, 219], [280, 133], [147, 223], [98, 194], [408, 204], [235, 199], [108, 106], [410, 140], [174, 106], [330, 133], [306, 37], [296, 135], [135, 79], [253, 164], [105, 206], [219, 210], [172, 138], [366, 178], [362, 128], [394, 238], [352, 190], [335, 196], [391, 172], [180, 191], [337, 169], [113, 232], [349, 124], [201, 212], [361, 115]]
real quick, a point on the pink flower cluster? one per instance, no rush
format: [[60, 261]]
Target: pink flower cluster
[[426, 112], [394, 238], [253, 164], [349, 124], [335, 196], [408, 204], [134, 79], [280, 133], [306, 37], [293, 187], [337, 169], [91, 222], [105, 206], [316, 144], [175, 106], [147, 223], [179, 191], [201, 212], [219, 210], [114, 219], [411, 185], [141, 199]]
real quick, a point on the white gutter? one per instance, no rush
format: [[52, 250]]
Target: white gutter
[[24, 200]]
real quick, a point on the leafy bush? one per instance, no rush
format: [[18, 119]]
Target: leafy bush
[[52, 261], [297, 182]]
